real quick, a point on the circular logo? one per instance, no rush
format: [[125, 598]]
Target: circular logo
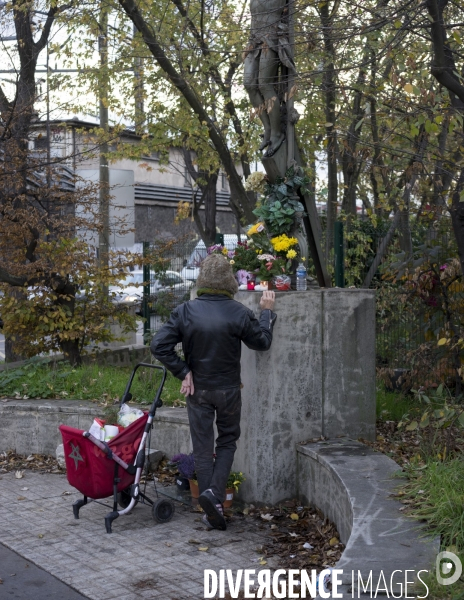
[[449, 568]]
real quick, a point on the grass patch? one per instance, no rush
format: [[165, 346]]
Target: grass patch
[[391, 406], [438, 591], [89, 382], [435, 492]]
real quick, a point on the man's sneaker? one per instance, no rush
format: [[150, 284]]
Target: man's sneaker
[[204, 520], [213, 509]]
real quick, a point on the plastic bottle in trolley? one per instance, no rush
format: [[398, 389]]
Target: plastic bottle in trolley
[[301, 283]]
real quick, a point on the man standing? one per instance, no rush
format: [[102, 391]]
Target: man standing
[[211, 329]]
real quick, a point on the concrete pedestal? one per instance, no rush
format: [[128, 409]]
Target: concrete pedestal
[[318, 379]]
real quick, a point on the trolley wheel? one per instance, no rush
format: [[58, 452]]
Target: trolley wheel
[[162, 510], [124, 498]]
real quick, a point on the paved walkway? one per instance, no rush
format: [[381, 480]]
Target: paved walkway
[[22, 580], [140, 559]]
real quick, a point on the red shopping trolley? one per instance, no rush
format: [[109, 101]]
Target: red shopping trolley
[[99, 469]]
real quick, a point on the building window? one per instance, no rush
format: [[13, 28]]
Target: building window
[[41, 143], [153, 156]]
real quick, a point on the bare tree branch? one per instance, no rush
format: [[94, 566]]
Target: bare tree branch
[[443, 67]]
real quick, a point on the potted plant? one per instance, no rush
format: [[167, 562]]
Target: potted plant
[[234, 481], [185, 464]]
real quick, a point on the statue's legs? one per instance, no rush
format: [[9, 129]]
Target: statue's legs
[[251, 83], [268, 69]]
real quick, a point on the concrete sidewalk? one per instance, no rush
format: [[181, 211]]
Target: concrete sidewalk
[[22, 580], [140, 559]]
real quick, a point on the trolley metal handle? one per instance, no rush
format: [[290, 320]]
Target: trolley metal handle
[[157, 402]]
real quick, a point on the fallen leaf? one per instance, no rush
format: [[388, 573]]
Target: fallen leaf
[[267, 517], [263, 562], [40, 535], [293, 534], [20, 498], [333, 541], [19, 474], [168, 544], [294, 517], [192, 541], [1, 581], [307, 546], [24, 489], [203, 548], [246, 511]]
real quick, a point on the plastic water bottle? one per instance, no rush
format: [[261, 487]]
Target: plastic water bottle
[[301, 282]]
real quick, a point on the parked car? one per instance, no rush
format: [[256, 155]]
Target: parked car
[[192, 268], [169, 286]]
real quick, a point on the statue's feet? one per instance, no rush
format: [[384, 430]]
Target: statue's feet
[[274, 146], [265, 143]]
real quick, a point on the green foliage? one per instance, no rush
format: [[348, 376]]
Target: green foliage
[[245, 258], [437, 490], [429, 309], [40, 379], [361, 241], [392, 406], [439, 592], [281, 205], [235, 480]]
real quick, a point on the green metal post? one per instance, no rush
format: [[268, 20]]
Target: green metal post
[[146, 295], [219, 239], [339, 255]]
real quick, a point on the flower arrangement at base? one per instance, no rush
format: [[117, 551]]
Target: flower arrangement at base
[[185, 464], [235, 480], [270, 251]]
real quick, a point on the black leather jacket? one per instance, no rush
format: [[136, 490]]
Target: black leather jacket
[[211, 329]]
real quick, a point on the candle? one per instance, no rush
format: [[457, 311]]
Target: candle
[[251, 284]]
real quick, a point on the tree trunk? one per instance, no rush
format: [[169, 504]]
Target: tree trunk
[[10, 353], [209, 195], [238, 195], [349, 159], [330, 100], [409, 183], [71, 352], [383, 247], [457, 217]]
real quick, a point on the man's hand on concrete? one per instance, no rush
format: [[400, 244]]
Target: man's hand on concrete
[[187, 385], [267, 300]]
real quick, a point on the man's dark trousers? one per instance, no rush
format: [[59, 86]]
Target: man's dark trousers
[[202, 407]]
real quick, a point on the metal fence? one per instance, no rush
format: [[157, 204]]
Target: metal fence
[[168, 286], [408, 324], [408, 330]]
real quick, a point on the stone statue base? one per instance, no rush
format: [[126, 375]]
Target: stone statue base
[[276, 165], [317, 379]]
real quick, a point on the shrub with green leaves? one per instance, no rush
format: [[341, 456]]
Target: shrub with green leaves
[[281, 205]]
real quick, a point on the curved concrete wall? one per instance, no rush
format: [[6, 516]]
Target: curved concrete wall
[[353, 486]]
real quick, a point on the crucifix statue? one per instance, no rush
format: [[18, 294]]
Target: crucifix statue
[[267, 53], [269, 75]]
